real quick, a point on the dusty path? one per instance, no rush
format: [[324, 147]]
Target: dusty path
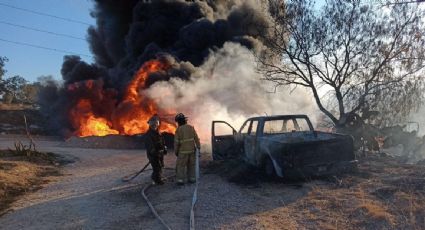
[[90, 195], [385, 194]]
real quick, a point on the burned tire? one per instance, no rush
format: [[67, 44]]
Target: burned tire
[[269, 167]]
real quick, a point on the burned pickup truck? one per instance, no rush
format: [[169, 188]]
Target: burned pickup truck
[[286, 146]]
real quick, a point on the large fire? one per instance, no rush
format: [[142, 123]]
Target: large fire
[[99, 114], [88, 123]]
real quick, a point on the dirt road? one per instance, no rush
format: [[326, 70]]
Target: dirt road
[[384, 194], [90, 195]]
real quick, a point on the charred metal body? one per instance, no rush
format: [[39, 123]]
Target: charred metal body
[[286, 146]]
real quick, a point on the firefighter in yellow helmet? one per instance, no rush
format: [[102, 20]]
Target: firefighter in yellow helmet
[[186, 141]]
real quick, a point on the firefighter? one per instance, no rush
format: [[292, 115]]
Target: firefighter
[[156, 149], [186, 141]]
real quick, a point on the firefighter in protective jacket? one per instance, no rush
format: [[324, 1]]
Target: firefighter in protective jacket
[[156, 149], [186, 141]]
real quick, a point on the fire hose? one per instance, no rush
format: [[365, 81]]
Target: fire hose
[[152, 208], [132, 176], [195, 192]]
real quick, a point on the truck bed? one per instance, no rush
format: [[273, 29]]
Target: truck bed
[[309, 154], [305, 136]]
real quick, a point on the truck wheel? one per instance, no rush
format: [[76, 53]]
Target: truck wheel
[[269, 167]]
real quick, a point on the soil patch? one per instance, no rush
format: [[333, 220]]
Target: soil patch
[[20, 174]]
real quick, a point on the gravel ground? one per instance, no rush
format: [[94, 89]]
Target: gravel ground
[[384, 194], [90, 195]]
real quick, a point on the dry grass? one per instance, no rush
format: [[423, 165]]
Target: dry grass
[[330, 209], [385, 194], [376, 211], [14, 106], [20, 174]]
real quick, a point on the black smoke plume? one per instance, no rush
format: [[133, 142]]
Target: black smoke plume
[[130, 33]]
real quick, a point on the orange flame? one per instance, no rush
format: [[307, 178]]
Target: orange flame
[[88, 123], [129, 117]]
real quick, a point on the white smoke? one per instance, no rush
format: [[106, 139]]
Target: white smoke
[[227, 87], [419, 118]]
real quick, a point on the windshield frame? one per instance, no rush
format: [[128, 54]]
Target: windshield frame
[[286, 117]]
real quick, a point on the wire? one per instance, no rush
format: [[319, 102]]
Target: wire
[[44, 14], [405, 2], [43, 47], [39, 30]]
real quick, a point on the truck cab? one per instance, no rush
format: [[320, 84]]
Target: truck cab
[[283, 145]]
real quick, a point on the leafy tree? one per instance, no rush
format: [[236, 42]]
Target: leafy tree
[[355, 58], [29, 93], [3, 60], [14, 88], [17, 89], [8, 98]]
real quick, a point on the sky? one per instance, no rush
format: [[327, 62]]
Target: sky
[[30, 62]]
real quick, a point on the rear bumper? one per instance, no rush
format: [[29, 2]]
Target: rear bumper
[[333, 168]]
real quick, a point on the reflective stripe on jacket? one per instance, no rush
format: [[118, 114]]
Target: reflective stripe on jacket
[[186, 139]]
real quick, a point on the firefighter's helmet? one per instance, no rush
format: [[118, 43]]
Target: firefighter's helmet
[[154, 121], [180, 117]]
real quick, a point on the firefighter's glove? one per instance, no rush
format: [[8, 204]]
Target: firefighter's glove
[[163, 152]]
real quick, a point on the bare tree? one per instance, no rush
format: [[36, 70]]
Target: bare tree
[[354, 57]]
